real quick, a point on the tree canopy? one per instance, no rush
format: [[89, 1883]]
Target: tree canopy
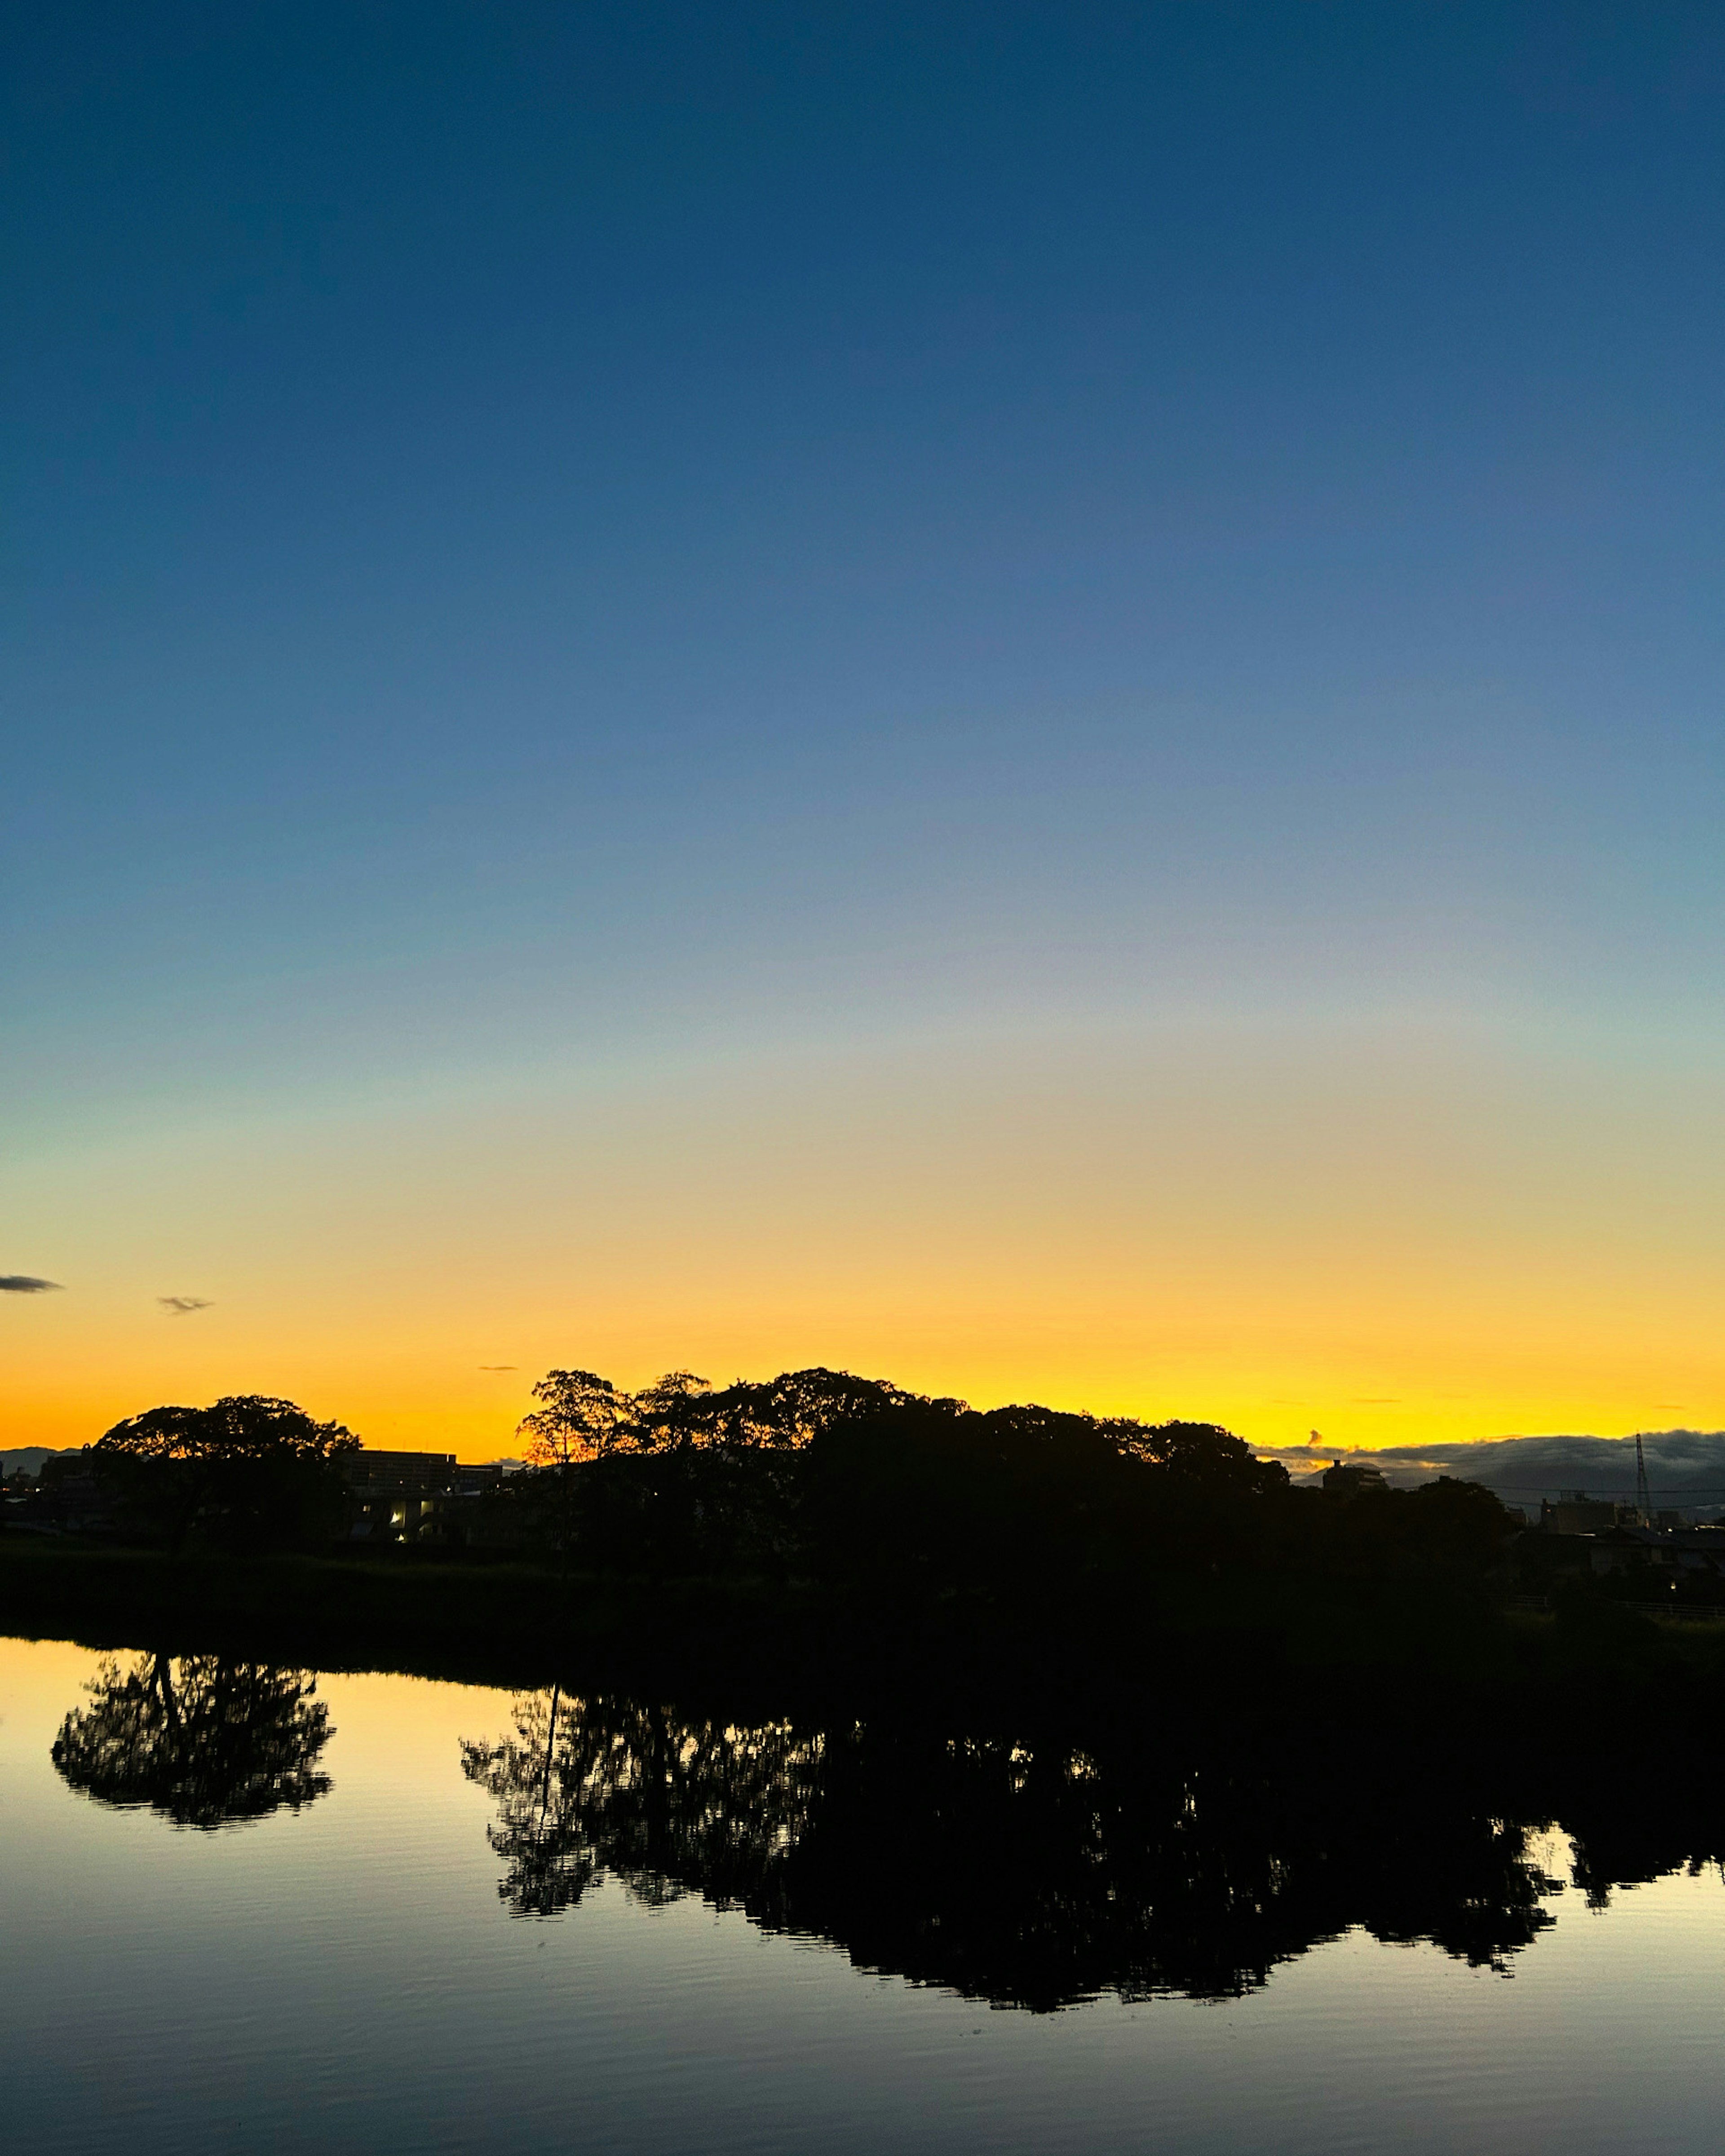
[[582, 1416], [820, 1472], [247, 1468]]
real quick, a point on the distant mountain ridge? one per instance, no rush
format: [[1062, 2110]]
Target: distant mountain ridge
[[28, 1457]]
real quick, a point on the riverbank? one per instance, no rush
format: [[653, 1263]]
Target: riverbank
[[504, 1623], [515, 1623]]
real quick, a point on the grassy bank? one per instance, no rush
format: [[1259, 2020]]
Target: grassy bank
[[522, 1625], [504, 1623]]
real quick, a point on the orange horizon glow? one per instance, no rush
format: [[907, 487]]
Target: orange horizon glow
[[1386, 1242], [477, 1429]]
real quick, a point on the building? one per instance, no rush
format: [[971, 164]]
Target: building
[[1666, 1556], [1574, 1513], [70, 1497], [400, 1497], [1354, 1479]]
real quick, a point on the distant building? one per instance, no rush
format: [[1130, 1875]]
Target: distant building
[[1574, 1512], [401, 1495], [72, 1496], [1688, 1555], [1352, 1479], [1609, 1537], [369, 1469]]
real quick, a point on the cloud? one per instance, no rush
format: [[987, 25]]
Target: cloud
[[182, 1306], [1686, 1467], [496, 1365], [23, 1284]]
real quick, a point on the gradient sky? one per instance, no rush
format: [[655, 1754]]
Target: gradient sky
[[1024, 697]]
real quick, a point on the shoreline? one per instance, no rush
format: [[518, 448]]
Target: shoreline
[[1261, 1639]]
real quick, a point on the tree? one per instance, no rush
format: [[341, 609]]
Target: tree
[[581, 1416], [674, 1413], [680, 1476], [821, 1467], [204, 1741], [1446, 1529], [1201, 1455], [248, 1468], [787, 1413]]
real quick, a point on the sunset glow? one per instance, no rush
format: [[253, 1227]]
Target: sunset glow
[[1035, 713]]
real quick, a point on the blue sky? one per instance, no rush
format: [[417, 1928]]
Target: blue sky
[[584, 539]]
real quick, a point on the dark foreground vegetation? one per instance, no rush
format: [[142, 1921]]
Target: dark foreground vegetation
[[814, 1476], [812, 1529]]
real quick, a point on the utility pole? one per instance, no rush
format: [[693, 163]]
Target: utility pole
[[1643, 1496]]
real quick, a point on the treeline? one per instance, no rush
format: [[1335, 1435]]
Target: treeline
[[812, 1477], [855, 1482]]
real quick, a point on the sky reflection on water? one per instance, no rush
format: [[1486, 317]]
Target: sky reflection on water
[[414, 1956]]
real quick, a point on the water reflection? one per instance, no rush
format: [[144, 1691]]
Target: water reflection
[[204, 1741], [668, 1805], [1156, 1857], [1035, 1876]]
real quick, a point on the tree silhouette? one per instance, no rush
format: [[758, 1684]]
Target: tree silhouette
[[204, 1741], [248, 1468], [820, 1475], [580, 1416], [583, 1417]]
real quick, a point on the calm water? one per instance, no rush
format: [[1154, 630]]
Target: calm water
[[255, 1909]]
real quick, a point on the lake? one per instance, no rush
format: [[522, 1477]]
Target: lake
[[247, 1908]]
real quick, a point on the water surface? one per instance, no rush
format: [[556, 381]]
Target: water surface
[[259, 1909]]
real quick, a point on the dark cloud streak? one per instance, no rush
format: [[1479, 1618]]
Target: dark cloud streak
[[24, 1284]]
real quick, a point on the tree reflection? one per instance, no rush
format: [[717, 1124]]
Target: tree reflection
[[540, 1833], [205, 1740], [1032, 1874], [670, 1806]]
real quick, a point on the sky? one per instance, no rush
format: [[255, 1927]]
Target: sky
[[1025, 698]]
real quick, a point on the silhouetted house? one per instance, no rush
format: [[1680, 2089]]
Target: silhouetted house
[[1352, 1479], [1606, 1539], [1674, 1555]]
